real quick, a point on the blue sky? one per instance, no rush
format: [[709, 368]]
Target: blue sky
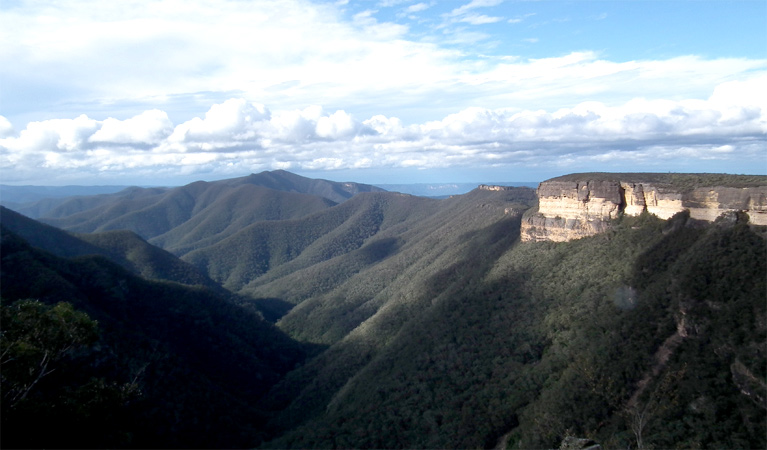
[[381, 91], [620, 30]]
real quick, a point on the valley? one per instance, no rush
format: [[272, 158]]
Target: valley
[[277, 311]]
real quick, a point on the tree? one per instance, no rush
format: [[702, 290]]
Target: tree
[[663, 397], [34, 337]]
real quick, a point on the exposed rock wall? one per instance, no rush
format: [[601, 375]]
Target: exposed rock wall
[[493, 187], [575, 209]]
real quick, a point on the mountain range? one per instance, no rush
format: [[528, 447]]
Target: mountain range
[[278, 311]]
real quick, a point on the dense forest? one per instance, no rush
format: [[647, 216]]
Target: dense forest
[[376, 320], [148, 364]]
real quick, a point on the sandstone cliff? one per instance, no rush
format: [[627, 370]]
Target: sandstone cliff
[[576, 206]]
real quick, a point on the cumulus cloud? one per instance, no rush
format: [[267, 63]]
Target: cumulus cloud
[[336, 126], [238, 136], [149, 127], [233, 120], [6, 129], [64, 135]]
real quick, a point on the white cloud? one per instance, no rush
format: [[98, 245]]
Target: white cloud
[[237, 136], [473, 5], [418, 7], [57, 135], [295, 126], [6, 129], [479, 19], [394, 95], [386, 125], [465, 14], [112, 51], [232, 120], [390, 3], [520, 19], [337, 125], [149, 127], [182, 56], [740, 93]]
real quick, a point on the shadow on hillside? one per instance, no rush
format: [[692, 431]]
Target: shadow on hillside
[[273, 309], [379, 250], [487, 245]]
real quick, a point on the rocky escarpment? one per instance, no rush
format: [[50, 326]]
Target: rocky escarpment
[[576, 206]]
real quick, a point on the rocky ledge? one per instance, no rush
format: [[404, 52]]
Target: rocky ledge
[[580, 205]]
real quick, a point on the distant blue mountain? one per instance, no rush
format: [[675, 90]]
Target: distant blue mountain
[[25, 194], [447, 189]]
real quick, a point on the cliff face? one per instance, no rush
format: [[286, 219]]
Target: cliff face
[[579, 208]]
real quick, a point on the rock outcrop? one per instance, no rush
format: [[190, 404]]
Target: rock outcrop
[[494, 187], [576, 206], [574, 443]]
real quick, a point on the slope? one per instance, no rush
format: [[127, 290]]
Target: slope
[[265, 247], [224, 210], [60, 205], [282, 180], [174, 366], [406, 259], [189, 217], [442, 329], [344, 263], [123, 247], [153, 211], [439, 254], [520, 345], [29, 194]]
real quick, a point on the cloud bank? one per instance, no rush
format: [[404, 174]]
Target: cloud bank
[[238, 136], [154, 91], [106, 58]]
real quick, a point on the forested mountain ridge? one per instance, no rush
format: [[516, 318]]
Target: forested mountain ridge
[[132, 199], [653, 335], [55, 207], [281, 180], [171, 365], [151, 216], [123, 247], [418, 242], [15, 196], [433, 326]]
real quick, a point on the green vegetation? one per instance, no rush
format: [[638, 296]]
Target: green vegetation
[[138, 256], [399, 322], [123, 247], [42, 346], [681, 182], [177, 218], [34, 339], [173, 366], [556, 340]]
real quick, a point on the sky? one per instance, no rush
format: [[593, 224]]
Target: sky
[[379, 91]]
